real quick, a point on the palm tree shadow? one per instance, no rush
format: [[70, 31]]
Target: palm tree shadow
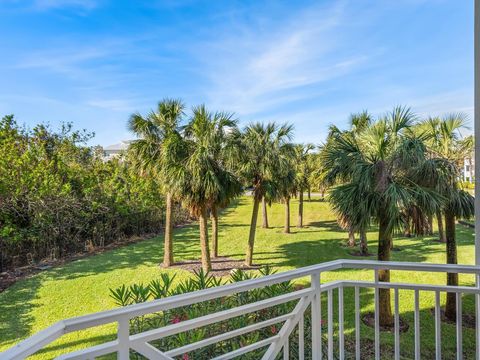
[[325, 225]]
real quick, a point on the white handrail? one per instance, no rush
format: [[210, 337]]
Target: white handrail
[[37, 341]]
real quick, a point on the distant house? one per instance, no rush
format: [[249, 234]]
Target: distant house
[[112, 151], [468, 170]]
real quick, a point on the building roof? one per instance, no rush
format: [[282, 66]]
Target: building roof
[[123, 145]]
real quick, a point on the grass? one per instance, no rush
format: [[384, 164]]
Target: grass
[[82, 286]]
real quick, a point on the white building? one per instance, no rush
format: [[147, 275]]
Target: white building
[[468, 170], [112, 151]]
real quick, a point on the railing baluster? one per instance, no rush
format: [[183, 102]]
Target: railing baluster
[[377, 318], [301, 338], [330, 325], [357, 323], [316, 318], [341, 337], [123, 333], [286, 349], [397, 324], [438, 327], [459, 327], [417, 325]]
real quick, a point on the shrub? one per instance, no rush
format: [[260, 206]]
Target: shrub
[[163, 287], [58, 196]]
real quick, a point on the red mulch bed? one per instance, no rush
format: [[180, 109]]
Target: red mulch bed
[[221, 266], [358, 253], [369, 320]]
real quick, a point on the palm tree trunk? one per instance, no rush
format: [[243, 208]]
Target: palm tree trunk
[[408, 230], [441, 230], [363, 242], [300, 209], [430, 225], [214, 218], [452, 279], [168, 241], [384, 242], [351, 237], [203, 222], [286, 229], [264, 213], [309, 194], [251, 236]]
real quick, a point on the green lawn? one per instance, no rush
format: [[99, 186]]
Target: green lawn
[[81, 287]]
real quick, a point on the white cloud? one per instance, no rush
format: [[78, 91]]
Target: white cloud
[[446, 102], [113, 104], [252, 71], [67, 60], [58, 4]]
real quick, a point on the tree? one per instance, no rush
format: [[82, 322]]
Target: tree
[[287, 186], [263, 154], [303, 172], [225, 145], [270, 194], [377, 171], [460, 204], [446, 144], [201, 176], [151, 154]]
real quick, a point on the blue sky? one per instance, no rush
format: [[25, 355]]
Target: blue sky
[[310, 63]]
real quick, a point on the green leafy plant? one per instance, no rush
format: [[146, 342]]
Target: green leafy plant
[[165, 286]]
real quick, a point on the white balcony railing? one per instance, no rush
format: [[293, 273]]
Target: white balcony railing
[[293, 322]]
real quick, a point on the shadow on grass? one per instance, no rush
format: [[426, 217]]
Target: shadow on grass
[[147, 252], [16, 308]]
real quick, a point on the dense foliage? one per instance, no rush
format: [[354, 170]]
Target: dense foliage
[[58, 196], [166, 286]]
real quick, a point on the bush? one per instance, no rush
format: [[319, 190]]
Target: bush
[[163, 287], [58, 196]]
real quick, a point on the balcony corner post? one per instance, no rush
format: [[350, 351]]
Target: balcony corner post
[[476, 47], [477, 125]]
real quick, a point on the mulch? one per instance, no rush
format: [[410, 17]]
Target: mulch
[[358, 253], [468, 320], [369, 320], [221, 266]]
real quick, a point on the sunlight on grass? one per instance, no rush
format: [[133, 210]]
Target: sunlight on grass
[[82, 286]]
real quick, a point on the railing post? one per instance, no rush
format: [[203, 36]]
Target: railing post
[[377, 316], [316, 318], [123, 334]]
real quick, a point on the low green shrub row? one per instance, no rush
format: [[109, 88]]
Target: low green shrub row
[[166, 286]]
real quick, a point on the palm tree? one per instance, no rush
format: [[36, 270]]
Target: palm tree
[[148, 152], [270, 194], [446, 144], [317, 178], [204, 181], [287, 186], [264, 213], [377, 170], [263, 151], [225, 145], [303, 172], [460, 204]]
